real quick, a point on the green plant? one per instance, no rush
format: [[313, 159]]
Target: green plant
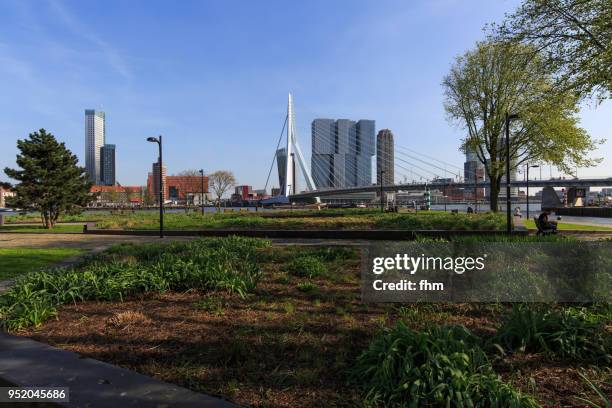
[[307, 287], [605, 401], [439, 366], [220, 264], [306, 266], [569, 332]]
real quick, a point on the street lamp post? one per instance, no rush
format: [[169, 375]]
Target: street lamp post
[[382, 204], [508, 200], [158, 140], [202, 190], [527, 176]]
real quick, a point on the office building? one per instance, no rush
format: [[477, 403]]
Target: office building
[[281, 162], [342, 152], [385, 158], [153, 182], [95, 137], [473, 171], [107, 165]]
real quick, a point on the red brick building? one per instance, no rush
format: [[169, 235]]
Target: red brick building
[[179, 188], [132, 195]]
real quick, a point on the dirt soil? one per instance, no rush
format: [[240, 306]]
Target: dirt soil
[[283, 346]]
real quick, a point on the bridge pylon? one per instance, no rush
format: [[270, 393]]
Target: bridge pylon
[[294, 152]]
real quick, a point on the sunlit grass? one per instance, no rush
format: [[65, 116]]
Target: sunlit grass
[[17, 261]]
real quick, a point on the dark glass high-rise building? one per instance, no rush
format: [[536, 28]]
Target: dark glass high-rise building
[[95, 138], [107, 165], [342, 152], [385, 158]]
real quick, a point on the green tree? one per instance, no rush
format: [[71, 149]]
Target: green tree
[[494, 79], [574, 36], [49, 179]]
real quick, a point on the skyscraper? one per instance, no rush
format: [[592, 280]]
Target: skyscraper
[[385, 158], [473, 171], [342, 152], [107, 165], [155, 182], [95, 137], [281, 162]]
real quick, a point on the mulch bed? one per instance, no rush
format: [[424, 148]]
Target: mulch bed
[[279, 347]]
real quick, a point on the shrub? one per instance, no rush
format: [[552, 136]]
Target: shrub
[[306, 266], [307, 287], [228, 264], [567, 333], [440, 366]]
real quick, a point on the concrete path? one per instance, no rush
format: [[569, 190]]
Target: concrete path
[[88, 242], [92, 383]]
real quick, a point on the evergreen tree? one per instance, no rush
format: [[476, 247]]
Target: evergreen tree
[[49, 179]]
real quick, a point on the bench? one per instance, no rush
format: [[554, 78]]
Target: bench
[[541, 229]]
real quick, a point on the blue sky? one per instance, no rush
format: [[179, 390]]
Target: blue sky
[[213, 76]]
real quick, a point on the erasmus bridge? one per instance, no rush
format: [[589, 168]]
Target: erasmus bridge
[[413, 171]]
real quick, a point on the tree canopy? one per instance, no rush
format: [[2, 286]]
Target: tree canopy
[[49, 179], [495, 79], [574, 37], [220, 181]]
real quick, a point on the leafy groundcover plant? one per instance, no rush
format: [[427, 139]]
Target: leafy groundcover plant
[[438, 366], [228, 264], [306, 266], [570, 332]]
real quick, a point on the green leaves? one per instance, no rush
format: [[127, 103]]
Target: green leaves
[[50, 180], [439, 366], [227, 264], [306, 266], [499, 78], [570, 332]]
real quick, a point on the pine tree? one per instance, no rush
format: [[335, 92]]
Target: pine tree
[[49, 180]]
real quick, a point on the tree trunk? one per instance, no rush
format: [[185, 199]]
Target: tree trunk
[[494, 188], [47, 221]]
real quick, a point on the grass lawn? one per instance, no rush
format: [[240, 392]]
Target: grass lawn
[[58, 229], [270, 326], [326, 219], [567, 226], [18, 261]]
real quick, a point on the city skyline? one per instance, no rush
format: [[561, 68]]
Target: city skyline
[[342, 151], [191, 89]]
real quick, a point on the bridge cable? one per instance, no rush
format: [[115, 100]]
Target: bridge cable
[[274, 158]]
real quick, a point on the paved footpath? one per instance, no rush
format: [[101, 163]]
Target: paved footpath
[[91, 383], [40, 240]]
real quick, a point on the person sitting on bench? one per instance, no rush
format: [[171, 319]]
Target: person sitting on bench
[[545, 223]]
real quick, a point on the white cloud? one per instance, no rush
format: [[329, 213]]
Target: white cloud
[[112, 56]]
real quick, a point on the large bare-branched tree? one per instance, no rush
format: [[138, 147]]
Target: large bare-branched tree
[[573, 36], [495, 79], [219, 182]]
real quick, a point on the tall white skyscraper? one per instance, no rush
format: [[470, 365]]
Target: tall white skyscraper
[[95, 137]]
